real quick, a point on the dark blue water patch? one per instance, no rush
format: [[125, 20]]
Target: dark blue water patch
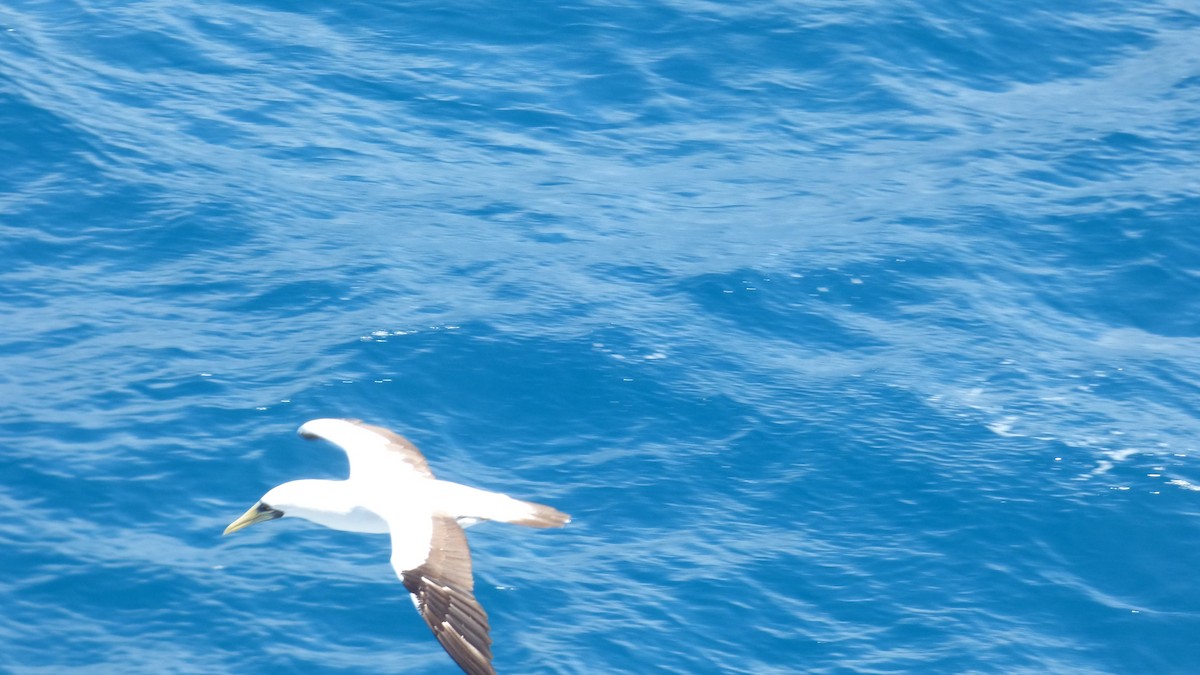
[[532, 225], [987, 47], [779, 306], [1090, 162], [144, 47], [1185, 86], [1103, 568], [973, 503], [105, 594], [279, 294], [36, 142], [544, 388], [1133, 268], [640, 274]]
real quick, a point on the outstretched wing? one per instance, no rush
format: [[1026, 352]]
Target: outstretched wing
[[371, 449], [442, 589]]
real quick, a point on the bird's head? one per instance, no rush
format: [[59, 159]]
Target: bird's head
[[272, 505]]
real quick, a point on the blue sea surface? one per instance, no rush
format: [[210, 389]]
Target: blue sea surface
[[857, 337]]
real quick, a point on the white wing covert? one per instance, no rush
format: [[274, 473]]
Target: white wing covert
[[443, 591], [372, 450]]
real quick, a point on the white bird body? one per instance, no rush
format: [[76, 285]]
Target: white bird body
[[341, 507], [391, 490]]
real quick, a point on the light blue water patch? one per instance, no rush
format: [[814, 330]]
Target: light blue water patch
[[856, 337]]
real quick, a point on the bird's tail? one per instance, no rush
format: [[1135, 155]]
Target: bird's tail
[[474, 504], [537, 515]]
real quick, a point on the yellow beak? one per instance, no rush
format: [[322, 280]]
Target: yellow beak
[[257, 514]]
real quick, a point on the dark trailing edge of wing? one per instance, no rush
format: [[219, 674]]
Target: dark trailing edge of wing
[[443, 588]]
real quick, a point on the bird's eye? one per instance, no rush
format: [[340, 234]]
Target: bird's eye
[[263, 508]]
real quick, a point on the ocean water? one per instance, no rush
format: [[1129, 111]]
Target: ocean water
[[857, 337]]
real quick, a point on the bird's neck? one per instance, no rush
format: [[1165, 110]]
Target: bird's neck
[[336, 505]]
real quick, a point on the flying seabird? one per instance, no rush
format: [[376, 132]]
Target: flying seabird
[[392, 491]]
